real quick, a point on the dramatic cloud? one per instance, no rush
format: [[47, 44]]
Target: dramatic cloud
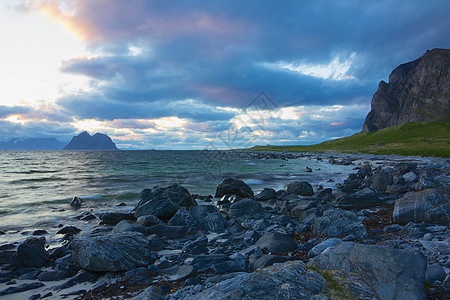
[[180, 73]]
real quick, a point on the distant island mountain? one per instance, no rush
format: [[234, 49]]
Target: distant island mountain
[[84, 141], [417, 91], [32, 144]]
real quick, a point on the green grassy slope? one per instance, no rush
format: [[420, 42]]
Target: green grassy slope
[[420, 138]]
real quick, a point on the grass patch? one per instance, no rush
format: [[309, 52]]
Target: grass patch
[[416, 139], [335, 288]]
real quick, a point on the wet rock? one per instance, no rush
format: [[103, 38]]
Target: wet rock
[[163, 202], [425, 206], [232, 186], [36, 240], [302, 206], [275, 242], [155, 243], [246, 238], [197, 246], [21, 288], [381, 181], [30, 255], [148, 220], [53, 275], [200, 211], [7, 257], [167, 231], [39, 232], [362, 199], [69, 230], [128, 226], [182, 218], [266, 194], [112, 253], [299, 188], [435, 273], [318, 249], [213, 222], [76, 203], [113, 218], [80, 277], [246, 207], [394, 274], [338, 223]]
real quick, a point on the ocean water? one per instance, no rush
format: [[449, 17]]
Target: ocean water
[[37, 186]]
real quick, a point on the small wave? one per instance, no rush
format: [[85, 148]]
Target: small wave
[[42, 179], [254, 181]]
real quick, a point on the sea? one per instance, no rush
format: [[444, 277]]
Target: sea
[[36, 187]]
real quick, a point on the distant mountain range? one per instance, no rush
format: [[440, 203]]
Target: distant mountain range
[[83, 141]]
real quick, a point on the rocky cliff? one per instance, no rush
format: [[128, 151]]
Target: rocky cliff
[[84, 141], [417, 91]]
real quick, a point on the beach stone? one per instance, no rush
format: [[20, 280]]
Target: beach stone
[[290, 280], [204, 262], [437, 247], [275, 242], [236, 263], [113, 218], [140, 275], [39, 232], [381, 181], [318, 249], [427, 181], [246, 207], [435, 273], [425, 206], [266, 194], [30, 275], [167, 231], [53, 275], [148, 220], [80, 277], [69, 230], [176, 273], [163, 202], [299, 188], [394, 274], [182, 218], [410, 176], [213, 222], [339, 223], [30, 255], [196, 247], [36, 240], [302, 206], [76, 203], [7, 257], [128, 226], [155, 242], [232, 186], [268, 260], [362, 199], [200, 211], [21, 288], [112, 253]]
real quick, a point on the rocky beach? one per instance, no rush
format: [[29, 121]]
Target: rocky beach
[[382, 233]]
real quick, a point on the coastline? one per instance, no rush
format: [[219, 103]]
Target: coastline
[[230, 230]]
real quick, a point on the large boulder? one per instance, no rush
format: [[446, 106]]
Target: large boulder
[[275, 242], [290, 280], [113, 218], [339, 223], [128, 226], [31, 255], [266, 194], [361, 199], [232, 186], [392, 273], [182, 218], [299, 188], [428, 206], [246, 207], [381, 181], [163, 202], [112, 253]]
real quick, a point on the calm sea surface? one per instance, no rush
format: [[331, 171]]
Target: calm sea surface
[[36, 186]]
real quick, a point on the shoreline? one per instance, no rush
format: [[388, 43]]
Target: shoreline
[[181, 242]]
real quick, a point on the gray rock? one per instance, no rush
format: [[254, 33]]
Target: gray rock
[[435, 273], [140, 275], [246, 207], [410, 176], [266, 194], [427, 181], [176, 273], [128, 226], [394, 274], [148, 220], [182, 218], [204, 262], [112, 253], [71, 230], [112, 218], [236, 263], [200, 211], [232, 186], [318, 249], [362, 199], [21, 288], [299, 188], [425, 206], [76, 203], [29, 255], [290, 280], [163, 202], [437, 247], [275, 242], [213, 222], [53, 275], [301, 206], [381, 181], [82, 276], [167, 231], [36, 240], [339, 223], [427, 236], [267, 260], [155, 243]]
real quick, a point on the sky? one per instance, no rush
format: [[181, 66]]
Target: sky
[[204, 74]]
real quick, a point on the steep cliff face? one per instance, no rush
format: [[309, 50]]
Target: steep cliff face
[[84, 141], [417, 91]]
